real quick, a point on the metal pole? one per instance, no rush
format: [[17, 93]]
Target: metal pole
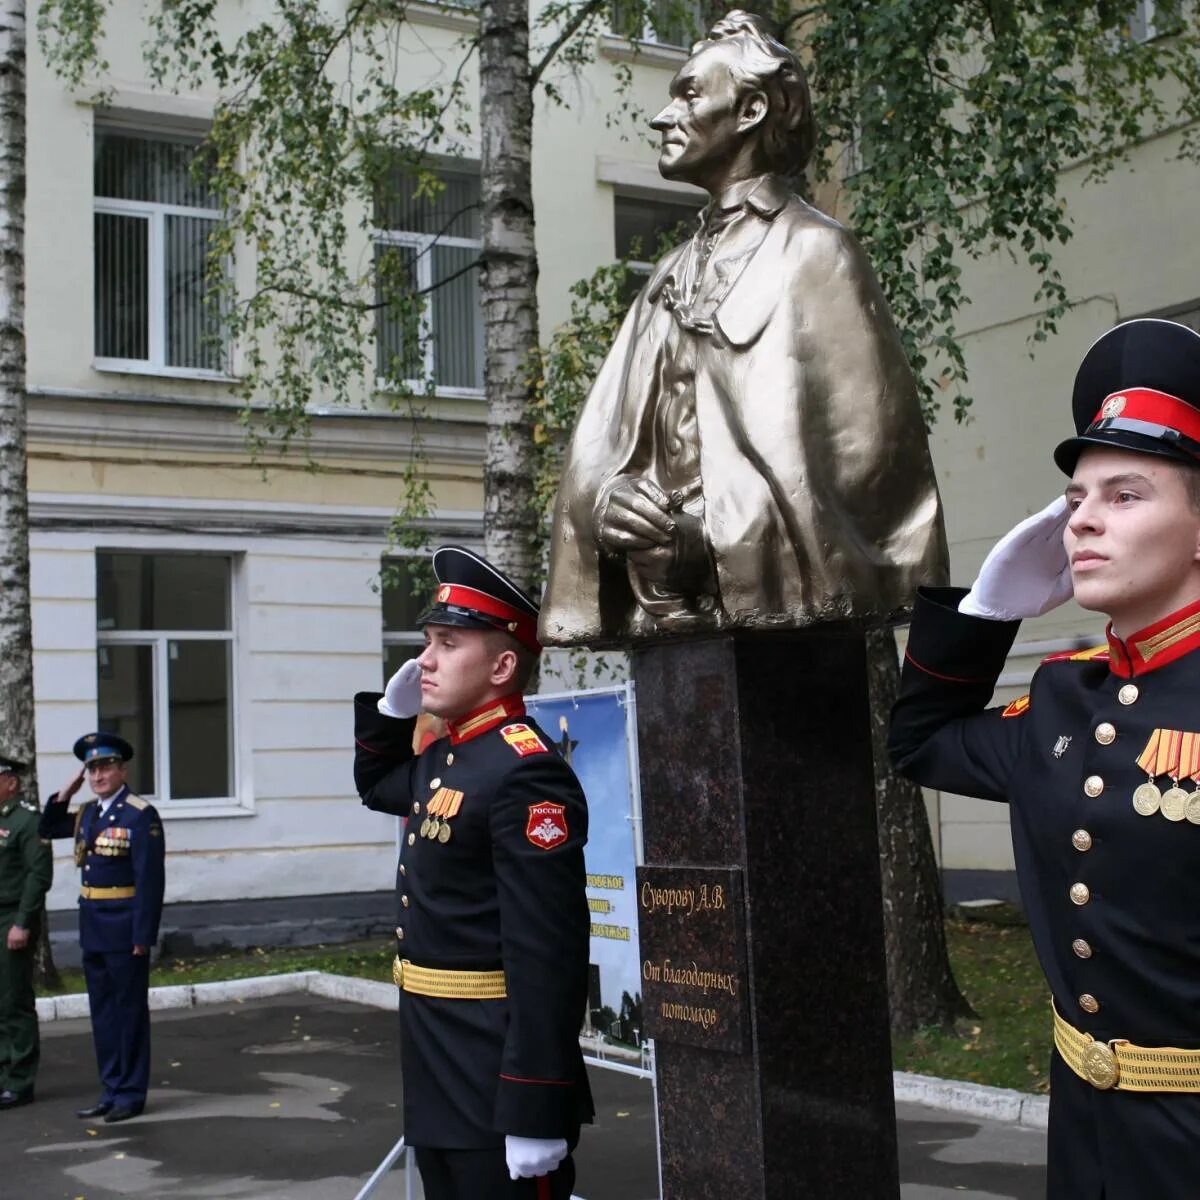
[[384, 1167]]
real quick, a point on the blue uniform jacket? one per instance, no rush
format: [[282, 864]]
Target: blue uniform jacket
[[124, 848]]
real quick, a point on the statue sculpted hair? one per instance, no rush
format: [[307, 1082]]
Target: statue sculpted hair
[[767, 65]]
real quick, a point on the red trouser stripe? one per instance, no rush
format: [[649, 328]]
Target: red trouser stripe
[[543, 1187]]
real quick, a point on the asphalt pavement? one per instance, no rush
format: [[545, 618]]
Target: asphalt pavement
[[298, 1098]]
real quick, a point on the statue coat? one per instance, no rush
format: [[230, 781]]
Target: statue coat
[[820, 501]]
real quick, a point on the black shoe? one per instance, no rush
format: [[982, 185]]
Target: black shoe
[[120, 1113], [15, 1099], [100, 1109]]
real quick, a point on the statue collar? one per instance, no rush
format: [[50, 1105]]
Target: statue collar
[[765, 195]]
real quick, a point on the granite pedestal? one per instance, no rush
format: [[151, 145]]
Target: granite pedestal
[[760, 920]]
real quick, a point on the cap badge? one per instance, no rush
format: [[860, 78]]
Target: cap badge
[[1114, 406], [443, 593]]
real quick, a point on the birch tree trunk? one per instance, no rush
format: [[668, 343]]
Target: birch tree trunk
[[16, 626], [508, 284], [921, 986]]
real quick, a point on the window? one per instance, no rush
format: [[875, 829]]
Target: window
[[642, 228], [430, 244], [664, 22], [154, 220], [165, 670], [1152, 19], [407, 584]]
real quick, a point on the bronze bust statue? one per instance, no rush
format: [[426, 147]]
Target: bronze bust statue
[[752, 453]]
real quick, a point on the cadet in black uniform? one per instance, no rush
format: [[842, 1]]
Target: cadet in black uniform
[[119, 848], [26, 869], [492, 919], [1100, 762]]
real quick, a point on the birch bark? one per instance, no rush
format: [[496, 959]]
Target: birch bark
[[508, 285]]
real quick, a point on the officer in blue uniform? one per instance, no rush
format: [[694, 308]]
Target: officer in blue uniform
[[1100, 763], [492, 920], [119, 847]]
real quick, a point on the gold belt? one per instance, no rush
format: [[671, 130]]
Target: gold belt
[[1127, 1068], [448, 985], [116, 893]]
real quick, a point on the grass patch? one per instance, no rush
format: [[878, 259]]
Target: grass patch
[[1008, 1043], [367, 959]]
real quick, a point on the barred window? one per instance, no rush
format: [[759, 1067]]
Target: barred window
[[153, 223], [430, 244]]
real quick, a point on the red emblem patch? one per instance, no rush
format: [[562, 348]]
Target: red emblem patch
[[547, 825], [523, 740]]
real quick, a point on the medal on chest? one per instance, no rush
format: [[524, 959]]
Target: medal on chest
[[1175, 754]]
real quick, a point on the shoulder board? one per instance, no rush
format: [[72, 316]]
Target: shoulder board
[[1017, 707], [523, 739], [136, 801], [1093, 654], [29, 806]]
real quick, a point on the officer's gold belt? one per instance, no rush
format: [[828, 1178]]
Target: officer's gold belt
[[113, 893], [1127, 1068], [448, 985]]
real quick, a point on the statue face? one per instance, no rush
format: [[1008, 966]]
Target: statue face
[[702, 128]]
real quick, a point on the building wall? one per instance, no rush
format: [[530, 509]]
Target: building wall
[[143, 461]]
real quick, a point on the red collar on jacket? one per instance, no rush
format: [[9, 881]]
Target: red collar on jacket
[[1157, 645], [487, 716]]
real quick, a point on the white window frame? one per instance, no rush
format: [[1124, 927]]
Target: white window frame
[[155, 215], [651, 38], [160, 641], [400, 637], [423, 244]]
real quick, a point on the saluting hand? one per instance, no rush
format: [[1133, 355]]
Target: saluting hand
[[1027, 572], [70, 788], [402, 696]]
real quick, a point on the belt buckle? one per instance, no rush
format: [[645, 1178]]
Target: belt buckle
[[398, 972], [1100, 1066]]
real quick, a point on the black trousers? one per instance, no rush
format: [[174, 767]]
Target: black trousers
[[483, 1175]]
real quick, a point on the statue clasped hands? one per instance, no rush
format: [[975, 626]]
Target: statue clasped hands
[[664, 544]]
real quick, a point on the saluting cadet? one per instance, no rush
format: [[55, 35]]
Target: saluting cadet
[[26, 869], [493, 925], [119, 847], [1100, 763]]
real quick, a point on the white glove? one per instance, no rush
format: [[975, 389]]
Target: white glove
[[1027, 572], [530, 1157], [402, 696]]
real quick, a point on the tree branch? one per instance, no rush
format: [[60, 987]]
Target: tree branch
[[569, 30]]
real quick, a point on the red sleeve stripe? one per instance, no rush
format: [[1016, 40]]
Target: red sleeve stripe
[[939, 675], [547, 1082]]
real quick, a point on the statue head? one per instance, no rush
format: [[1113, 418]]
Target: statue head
[[739, 106]]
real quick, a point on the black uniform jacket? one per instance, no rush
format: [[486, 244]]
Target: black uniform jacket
[[1112, 897], [504, 889]]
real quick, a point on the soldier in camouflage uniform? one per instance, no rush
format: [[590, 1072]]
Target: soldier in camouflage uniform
[[26, 869]]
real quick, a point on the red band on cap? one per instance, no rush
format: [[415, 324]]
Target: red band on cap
[[521, 625], [1153, 407]]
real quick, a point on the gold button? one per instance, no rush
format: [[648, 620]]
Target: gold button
[[1081, 839], [403, 869], [416, 806], [1106, 734], [412, 837], [1081, 948], [1093, 785], [1128, 694], [1089, 1003], [1080, 893], [400, 935], [404, 901], [437, 783], [450, 758]]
